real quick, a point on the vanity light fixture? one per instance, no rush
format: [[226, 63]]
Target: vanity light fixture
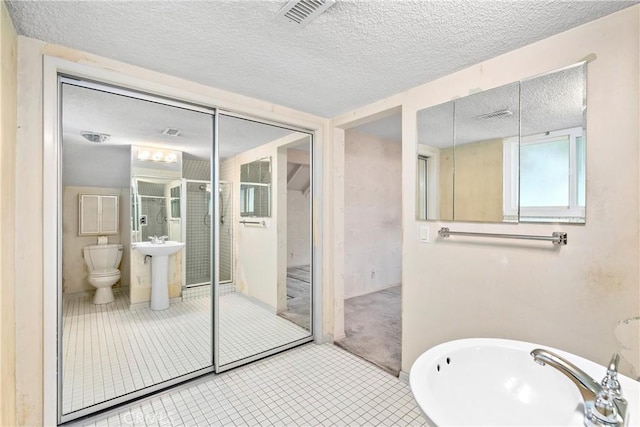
[[157, 155]]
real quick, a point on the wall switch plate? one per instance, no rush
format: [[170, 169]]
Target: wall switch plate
[[424, 234]]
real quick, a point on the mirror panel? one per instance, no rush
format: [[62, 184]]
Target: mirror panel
[[265, 291], [485, 124], [553, 147], [434, 187], [112, 342], [255, 188], [519, 153]]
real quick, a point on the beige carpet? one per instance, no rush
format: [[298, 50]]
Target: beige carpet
[[373, 328]]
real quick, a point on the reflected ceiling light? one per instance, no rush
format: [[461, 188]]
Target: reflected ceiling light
[[171, 158], [144, 155], [158, 155], [95, 136]]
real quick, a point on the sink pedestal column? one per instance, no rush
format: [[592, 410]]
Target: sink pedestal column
[[159, 282]]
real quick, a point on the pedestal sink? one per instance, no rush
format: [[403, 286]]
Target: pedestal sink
[[159, 253]]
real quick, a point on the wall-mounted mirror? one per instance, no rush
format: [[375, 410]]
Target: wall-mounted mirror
[[255, 188], [553, 146], [519, 153], [435, 163], [486, 126]]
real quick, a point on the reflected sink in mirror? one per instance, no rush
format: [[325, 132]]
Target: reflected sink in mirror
[[484, 381], [159, 253], [158, 249]]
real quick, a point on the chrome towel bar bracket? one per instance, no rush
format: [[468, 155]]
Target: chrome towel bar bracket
[[557, 237]]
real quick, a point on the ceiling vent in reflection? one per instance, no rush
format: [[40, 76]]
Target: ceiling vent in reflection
[[172, 132], [302, 12], [95, 136], [495, 115]]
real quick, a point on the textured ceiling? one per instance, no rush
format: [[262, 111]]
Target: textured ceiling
[[355, 53]]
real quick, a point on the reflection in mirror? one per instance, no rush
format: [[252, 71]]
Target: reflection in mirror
[[553, 146], [434, 186], [265, 290], [486, 133], [255, 188], [112, 342]]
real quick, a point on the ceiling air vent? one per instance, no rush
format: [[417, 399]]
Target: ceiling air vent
[[171, 132], [95, 136], [495, 115], [302, 12]]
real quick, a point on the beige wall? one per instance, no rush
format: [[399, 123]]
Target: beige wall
[[8, 87], [74, 269], [583, 298], [478, 182], [30, 215], [373, 213]]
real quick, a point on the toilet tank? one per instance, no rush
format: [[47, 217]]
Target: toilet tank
[[103, 257]]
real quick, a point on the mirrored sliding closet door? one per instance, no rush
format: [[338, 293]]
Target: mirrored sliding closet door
[[264, 245], [135, 290], [185, 239]]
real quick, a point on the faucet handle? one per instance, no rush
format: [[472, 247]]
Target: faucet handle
[[163, 238], [610, 381]]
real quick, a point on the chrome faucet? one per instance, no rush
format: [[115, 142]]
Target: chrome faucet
[[155, 240], [603, 402]]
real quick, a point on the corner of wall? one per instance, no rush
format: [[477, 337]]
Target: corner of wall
[[8, 126]]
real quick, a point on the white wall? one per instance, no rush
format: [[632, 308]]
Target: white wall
[[583, 298], [373, 213], [298, 229], [8, 103]]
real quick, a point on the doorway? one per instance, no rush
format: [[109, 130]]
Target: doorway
[[373, 242]]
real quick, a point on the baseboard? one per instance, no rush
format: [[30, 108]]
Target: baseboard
[[382, 288], [404, 377]]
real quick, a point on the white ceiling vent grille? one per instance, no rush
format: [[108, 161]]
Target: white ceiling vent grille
[[495, 115], [172, 132], [302, 12]]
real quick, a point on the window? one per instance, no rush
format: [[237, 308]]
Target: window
[[552, 177]]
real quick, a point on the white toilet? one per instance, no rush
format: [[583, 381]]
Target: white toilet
[[103, 262]]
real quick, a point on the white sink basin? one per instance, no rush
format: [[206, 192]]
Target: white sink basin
[[484, 381], [167, 248], [159, 270]]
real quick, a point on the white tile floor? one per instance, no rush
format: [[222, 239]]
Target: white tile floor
[[110, 350], [311, 385]]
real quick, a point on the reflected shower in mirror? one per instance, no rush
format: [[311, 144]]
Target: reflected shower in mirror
[[124, 181], [553, 146], [434, 187], [265, 299]]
